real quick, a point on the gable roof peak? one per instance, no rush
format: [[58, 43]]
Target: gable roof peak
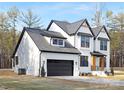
[[98, 29], [61, 21], [69, 27]]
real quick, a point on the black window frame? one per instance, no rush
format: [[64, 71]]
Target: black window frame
[[84, 61], [86, 41], [103, 45], [54, 41], [59, 42]]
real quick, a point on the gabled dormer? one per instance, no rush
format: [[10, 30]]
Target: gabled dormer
[[101, 31], [101, 38], [84, 37], [58, 42], [54, 38]]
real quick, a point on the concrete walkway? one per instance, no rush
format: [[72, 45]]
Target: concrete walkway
[[92, 80]]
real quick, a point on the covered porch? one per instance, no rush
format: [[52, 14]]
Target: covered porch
[[98, 62]]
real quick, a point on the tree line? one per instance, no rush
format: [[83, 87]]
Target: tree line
[[115, 26], [10, 21], [13, 19]]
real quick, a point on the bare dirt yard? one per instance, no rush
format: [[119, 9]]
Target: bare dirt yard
[[12, 81]]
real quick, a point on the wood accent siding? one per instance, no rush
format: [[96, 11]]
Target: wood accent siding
[[102, 61], [93, 67]]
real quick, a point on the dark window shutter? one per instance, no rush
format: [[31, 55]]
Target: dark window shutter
[[16, 60]]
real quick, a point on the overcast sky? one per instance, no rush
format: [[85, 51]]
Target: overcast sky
[[63, 11]]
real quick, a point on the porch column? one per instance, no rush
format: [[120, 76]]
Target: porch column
[[93, 67], [102, 63]]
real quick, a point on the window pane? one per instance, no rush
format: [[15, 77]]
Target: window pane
[[60, 42], [55, 41], [82, 41], [101, 47], [103, 44], [85, 41], [84, 61]]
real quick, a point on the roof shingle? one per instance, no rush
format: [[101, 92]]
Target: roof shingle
[[69, 28], [44, 32], [43, 45]]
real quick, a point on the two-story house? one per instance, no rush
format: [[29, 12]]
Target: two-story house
[[63, 49], [93, 43]]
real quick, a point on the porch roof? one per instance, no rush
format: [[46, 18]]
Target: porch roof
[[96, 53]]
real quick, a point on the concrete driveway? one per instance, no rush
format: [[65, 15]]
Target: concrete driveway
[[91, 80]]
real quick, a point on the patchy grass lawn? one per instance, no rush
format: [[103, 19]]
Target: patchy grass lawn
[[118, 75], [37, 83], [16, 82]]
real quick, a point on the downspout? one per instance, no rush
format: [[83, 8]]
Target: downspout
[[40, 65]]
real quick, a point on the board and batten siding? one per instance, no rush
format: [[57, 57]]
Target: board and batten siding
[[28, 56], [84, 51], [55, 27], [75, 40], [61, 56], [97, 47]]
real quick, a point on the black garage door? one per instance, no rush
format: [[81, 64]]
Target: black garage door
[[59, 68]]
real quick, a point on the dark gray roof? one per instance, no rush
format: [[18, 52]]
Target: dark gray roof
[[96, 53], [38, 37], [101, 38], [96, 30], [85, 34], [43, 45], [44, 32], [69, 28]]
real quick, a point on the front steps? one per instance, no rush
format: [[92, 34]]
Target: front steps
[[99, 73]]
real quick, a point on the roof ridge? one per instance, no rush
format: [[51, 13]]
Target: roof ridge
[[97, 27], [44, 30], [51, 31], [78, 21], [70, 22], [33, 28], [61, 21]]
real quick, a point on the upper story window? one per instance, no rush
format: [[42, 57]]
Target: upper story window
[[103, 44], [57, 42], [85, 41]]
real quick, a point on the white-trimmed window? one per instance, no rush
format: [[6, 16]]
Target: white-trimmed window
[[85, 41], [103, 45], [58, 42], [84, 61]]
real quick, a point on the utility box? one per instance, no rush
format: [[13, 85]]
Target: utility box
[[21, 71]]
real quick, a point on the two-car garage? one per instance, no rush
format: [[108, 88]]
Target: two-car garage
[[59, 67], [60, 64]]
